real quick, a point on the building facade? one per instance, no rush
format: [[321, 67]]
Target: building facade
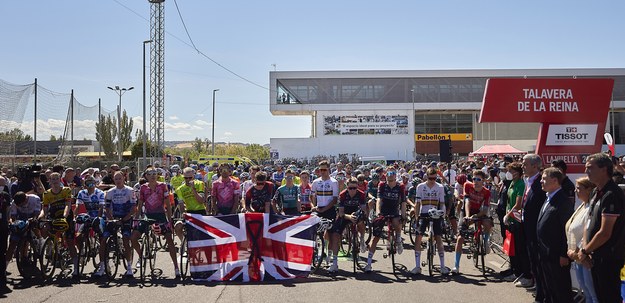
[[402, 114]]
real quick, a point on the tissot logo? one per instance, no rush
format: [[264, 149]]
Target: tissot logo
[[570, 135]]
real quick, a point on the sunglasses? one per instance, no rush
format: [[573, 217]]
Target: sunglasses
[[260, 184], [188, 178], [323, 169], [431, 178], [352, 188], [391, 173], [289, 177], [477, 179]]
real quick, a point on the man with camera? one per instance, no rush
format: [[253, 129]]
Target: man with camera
[[28, 181]]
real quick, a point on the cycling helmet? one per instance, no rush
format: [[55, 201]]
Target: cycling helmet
[[461, 178], [83, 218], [375, 176], [60, 225], [257, 205], [436, 213], [175, 168], [416, 181], [18, 226], [245, 175]]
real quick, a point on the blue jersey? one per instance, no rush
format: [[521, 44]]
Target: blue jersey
[[92, 202], [120, 201]]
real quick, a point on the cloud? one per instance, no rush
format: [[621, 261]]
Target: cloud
[[181, 126], [227, 134], [173, 118], [202, 122]]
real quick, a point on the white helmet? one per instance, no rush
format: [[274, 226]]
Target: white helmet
[[435, 213]]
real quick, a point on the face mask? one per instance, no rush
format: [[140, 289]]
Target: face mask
[[173, 174], [508, 176], [97, 180]]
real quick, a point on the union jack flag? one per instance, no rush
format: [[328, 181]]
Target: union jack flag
[[250, 247]]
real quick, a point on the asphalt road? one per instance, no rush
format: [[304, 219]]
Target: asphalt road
[[378, 286]]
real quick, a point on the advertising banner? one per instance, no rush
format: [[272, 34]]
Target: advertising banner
[[437, 137], [572, 113], [365, 125]]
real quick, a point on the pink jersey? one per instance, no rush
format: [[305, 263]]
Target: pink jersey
[[154, 200]]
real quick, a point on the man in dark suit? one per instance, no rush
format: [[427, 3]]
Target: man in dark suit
[[567, 185], [533, 200], [551, 238]]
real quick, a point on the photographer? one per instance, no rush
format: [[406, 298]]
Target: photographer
[[28, 180]]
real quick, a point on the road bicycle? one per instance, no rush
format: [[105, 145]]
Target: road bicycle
[[432, 215], [28, 250], [55, 251], [90, 247], [477, 249]]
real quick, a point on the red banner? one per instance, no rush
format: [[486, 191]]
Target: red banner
[[573, 113]]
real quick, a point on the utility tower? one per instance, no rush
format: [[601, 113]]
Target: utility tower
[[157, 76]]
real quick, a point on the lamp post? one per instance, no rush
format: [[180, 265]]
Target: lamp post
[[213, 123], [414, 127], [120, 92], [145, 136]]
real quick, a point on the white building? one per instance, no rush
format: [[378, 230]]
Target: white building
[[396, 113]]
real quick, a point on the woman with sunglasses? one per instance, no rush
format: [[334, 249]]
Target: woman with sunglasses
[[476, 205]]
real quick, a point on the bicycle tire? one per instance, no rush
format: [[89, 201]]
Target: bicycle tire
[[112, 258], [83, 256], [145, 247], [26, 263], [482, 255], [318, 252], [184, 258], [48, 259], [430, 254], [94, 253], [347, 236], [475, 250], [355, 250], [154, 249], [412, 233], [391, 250]]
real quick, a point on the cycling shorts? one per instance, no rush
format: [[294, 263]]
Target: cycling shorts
[[112, 227], [161, 220], [424, 223]]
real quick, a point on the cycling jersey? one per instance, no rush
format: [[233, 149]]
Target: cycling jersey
[[256, 198], [93, 202], [56, 202], [176, 181], [120, 201], [430, 197], [154, 199], [351, 204], [325, 191], [225, 192], [287, 196], [246, 186], [477, 199], [30, 209], [304, 196], [278, 176], [373, 189], [391, 198], [185, 193]]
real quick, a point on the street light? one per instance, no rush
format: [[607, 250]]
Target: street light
[[120, 92], [414, 127], [213, 123], [145, 136]]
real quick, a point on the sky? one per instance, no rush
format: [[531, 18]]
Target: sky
[[87, 45]]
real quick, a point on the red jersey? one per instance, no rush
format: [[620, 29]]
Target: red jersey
[[477, 199]]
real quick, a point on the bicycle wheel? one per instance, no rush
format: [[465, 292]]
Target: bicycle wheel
[[346, 241], [26, 258], [48, 260], [112, 258], [154, 249], [412, 233], [430, 254], [318, 252], [145, 254], [475, 251], [94, 251], [391, 249], [83, 255], [184, 258], [355, 249], [482, 254]]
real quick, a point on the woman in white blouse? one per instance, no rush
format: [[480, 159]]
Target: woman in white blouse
[[575, 232]]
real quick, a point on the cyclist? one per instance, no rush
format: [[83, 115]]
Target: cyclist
[[352, 208], [278, 175], [476, 205], [258, 197], [191, 192], [391, 198], [25, 208], [325, 192], [57, 204], [372, 190], [429, 195], [305, 190], [287, 197], [225, 192], [154, 196], [120, 202], [92, 199]]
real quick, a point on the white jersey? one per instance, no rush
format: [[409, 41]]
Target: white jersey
[[459, 190], [450, 175], [325, 191], [31, 208], [433, 197], [246, 186], [120, 201]]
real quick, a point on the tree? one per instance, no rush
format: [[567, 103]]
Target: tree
[[126, 131], [207, 142], [105, 131], [137, 148], [53, 138], [15, 134], [198, 144]]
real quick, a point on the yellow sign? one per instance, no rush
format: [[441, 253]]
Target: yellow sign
[[436, 137]]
